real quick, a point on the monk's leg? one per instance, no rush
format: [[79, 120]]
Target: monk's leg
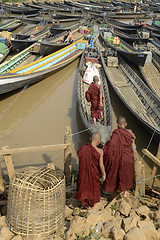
[[94, 120], [126, 194], [101, 115]]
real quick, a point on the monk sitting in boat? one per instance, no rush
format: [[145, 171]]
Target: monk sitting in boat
[[119, 159], [95, 96], [90, 170], [68, 37]]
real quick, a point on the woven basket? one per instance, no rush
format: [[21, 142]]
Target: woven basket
[[36, 203]]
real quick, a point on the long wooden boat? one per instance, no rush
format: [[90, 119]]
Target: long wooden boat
[[125, 36], [19, 10], [105, 127], [38, 70], [4, 51], [34, 30], [11, 24], [135, 94], [156, 43], [132, 55], [53, 44], [121, 24], [151, 74]]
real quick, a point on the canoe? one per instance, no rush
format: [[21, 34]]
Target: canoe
[[156, 43], [151, 74], [11, 24], [121, 24], [125, 36], [125, 50], [105, 127], [135, 94], [53, 44], [19, 10], [38, 70], [4, 51]]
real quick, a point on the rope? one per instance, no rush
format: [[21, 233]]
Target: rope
[[73, 134], [142, 180]]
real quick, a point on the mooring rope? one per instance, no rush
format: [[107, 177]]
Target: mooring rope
[[73, 134], [142, 180]]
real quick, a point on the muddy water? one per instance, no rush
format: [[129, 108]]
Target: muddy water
[[39, 114]]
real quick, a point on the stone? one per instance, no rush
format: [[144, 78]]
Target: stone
[[78, 225], [148, 228], [117, 233], [129, 223], [6, 233], [108, 226], [124, 208], [135, 233], [3, 221], [143, 211], [18, 237], [106, 215], [68, 212], [156, 215], [97, 207], [94, 218]]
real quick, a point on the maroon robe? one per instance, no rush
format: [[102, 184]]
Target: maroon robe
[[93, 95], [88, 182], [119, 161]]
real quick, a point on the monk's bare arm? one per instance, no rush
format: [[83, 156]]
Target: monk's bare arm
[[101, 95], [102, 165], [133, 136]]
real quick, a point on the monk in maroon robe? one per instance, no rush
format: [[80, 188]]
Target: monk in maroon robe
[[94, 95], [90, 170], [119, 159]]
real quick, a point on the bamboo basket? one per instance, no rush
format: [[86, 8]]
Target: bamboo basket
[[36, 203]]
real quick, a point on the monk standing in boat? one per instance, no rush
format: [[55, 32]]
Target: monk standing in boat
[[119, 159], [94, 94], [90, 170]]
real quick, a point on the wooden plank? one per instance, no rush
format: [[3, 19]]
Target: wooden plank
[[34, 149], [68, 154], [143, 183], [151, 156], [155, 166], [9, 163]]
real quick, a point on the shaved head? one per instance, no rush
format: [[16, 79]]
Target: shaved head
[[96, 136], [121, 121], [95, 79]]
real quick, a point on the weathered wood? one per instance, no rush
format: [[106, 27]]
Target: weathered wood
[[9, 163], [51, 166], [1, 181], [143, 182], [155, 166], [33, 149], [151, 156], [67, 154]]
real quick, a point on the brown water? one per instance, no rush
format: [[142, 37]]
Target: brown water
[[39, 114]]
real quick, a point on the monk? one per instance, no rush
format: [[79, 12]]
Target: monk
[[119, 159], [94, 94], [91, 168], [68, 37]]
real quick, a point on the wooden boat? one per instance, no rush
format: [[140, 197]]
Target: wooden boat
[[53, 44], [28, 40], [134, 93], [34, 30], [105, 127], [11, 24], [125, 36], [38, 70], [19, 10], [151, 74], [125, 25], [156, 43], [4, 51], [132, 55]]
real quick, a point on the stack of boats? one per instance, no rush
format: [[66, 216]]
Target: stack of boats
[[121, 46]]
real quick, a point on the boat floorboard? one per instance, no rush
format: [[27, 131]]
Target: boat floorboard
[[128, 93], [153, 76]]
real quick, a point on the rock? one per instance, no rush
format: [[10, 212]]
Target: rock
[[78, 225], [68, 212], [3, 221], [94, 218], [124, 208], [106, 215], [143, 211], [117, 233], [156, 215], [135, 233], [148, 229], [158, 223], [97, 207], [6, 233], [108, 226], [1, 238], [18, 237], [129, 223]]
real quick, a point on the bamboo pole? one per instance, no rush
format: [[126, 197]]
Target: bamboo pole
[[152, 157], [67, 154], [155, 166], [143, 182], [33, 149]]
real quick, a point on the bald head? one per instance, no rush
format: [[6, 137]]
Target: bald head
[[121, 121], [95, 79], [96, 137]]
